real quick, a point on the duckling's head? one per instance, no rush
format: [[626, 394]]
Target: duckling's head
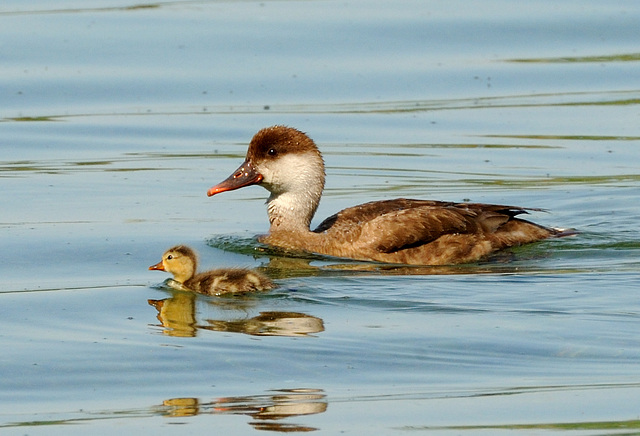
[[181, 261]]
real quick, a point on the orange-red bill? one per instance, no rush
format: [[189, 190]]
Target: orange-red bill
[[158, 266], [245, 175]]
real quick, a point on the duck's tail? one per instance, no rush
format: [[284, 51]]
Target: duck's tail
[[561, 233]]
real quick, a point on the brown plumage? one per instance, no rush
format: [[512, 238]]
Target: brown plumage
[[287, 163], [182, 262]]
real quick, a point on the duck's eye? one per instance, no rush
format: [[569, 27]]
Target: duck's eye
[[272, 152], [169, 257]]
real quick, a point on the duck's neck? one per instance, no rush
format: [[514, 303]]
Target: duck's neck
[[293, 211], [295, 182]]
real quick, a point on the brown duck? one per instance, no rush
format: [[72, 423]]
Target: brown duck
[[182, 262], [288, 164]]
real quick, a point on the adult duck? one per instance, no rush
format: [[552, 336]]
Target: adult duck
[[182, 262], [287, 163]]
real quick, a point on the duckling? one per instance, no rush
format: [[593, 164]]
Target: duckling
[[182, 262]]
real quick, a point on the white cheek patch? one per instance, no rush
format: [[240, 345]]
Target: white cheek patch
[[291, 172]]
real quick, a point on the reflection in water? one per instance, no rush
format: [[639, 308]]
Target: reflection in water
[[499, 263], [177, 314], [178, 317], [271, 324], [264, 409], [291, 403]]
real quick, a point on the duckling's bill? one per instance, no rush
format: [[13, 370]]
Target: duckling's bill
[[158, 266]]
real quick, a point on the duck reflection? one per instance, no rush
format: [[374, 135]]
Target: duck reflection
[[294, 267], [264, 409], [177, 315]]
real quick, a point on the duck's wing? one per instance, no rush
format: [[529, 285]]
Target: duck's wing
[[393, 225], [365, 212]]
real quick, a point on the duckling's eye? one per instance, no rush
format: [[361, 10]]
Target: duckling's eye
[[169, 257], [272, 152]]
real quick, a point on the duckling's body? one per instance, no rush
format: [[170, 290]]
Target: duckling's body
[[287, 163], [182, 262]]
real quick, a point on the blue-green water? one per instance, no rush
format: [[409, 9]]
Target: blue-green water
[[117, 117]]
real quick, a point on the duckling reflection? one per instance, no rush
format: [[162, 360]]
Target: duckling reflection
[[264, 409], [178, 317], [177, 314], [182, 262], [178, 407], [271, 324]]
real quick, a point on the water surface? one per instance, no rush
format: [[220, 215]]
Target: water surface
[[118, 116]]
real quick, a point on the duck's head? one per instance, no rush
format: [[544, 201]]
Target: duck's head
[[181, 261], [287, 163]]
